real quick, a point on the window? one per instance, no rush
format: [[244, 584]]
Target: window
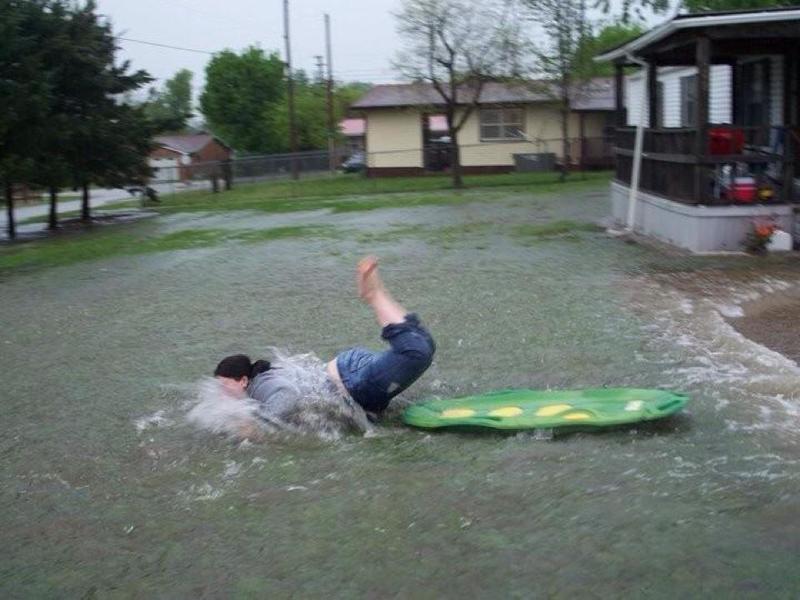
[[502, 124], [753, 101], [689, 101]]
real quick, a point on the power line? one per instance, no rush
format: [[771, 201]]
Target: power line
[[217, 16], [165, 46], [366, 73]]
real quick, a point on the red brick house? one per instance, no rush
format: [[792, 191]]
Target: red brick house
[[184, 156]]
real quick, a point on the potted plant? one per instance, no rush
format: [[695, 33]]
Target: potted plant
[[759, 236]]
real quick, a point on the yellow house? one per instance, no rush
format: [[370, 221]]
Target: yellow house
[[511, 120]]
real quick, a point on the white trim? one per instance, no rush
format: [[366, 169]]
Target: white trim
[[676, 24], [173, 149]]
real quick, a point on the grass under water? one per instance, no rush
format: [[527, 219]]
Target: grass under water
[[109, 493]]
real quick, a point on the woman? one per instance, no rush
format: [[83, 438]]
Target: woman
[[370, 378]]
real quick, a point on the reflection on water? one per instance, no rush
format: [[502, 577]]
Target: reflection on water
[[107, 491]]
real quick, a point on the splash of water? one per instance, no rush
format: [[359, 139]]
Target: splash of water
[[318, 408], [218, 411], [754, 387]]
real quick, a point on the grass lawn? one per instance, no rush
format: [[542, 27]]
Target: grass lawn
[[338, 195], [346, 193]]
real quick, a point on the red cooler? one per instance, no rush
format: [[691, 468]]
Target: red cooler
[[743, 190], [725, 140]]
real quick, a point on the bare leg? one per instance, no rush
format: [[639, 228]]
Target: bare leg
[[372, 291]]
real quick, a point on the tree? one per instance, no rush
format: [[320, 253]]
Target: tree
[[25, 94], [567, 31], [609, 36], [102, 130], [60, 87], [240, 89], [458, 46], [311, 107], [174, 101]]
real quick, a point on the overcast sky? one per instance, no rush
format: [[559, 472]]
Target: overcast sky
[[363, 33]]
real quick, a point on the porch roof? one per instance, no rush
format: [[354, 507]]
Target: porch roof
[[725, 24]]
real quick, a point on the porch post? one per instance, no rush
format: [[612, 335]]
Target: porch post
[[790, 108], [703, 59], [652, 95], [619, 94]]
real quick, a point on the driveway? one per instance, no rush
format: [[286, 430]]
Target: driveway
[[98, 198]]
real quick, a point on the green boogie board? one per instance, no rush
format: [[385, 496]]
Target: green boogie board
[[534, 409]]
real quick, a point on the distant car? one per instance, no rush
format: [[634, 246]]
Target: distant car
[[355, 164]]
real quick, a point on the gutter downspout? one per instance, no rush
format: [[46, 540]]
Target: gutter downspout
[[637, 146]]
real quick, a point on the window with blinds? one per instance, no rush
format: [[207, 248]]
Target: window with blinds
[[502, 124]]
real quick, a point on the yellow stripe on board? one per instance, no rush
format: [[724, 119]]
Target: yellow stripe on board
[[553, 409], [457, 413], [577, 416], [506, 411]]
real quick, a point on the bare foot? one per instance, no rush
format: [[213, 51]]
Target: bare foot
[[369, 282]]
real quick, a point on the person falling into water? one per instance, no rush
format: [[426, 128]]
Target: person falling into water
[[369, 378]]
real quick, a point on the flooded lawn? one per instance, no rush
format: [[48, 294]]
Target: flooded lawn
[[107, 492]]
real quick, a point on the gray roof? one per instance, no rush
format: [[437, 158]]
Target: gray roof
[[595, 94], [751, 17], [185, 143]]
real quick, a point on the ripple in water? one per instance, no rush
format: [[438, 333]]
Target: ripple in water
[[319, 409]]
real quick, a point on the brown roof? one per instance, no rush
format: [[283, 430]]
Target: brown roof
[[596, 94], [186, 143]]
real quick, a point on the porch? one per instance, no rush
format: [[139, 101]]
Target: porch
[[744, 162]]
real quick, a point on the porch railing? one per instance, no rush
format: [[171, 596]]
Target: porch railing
[[677, 166]]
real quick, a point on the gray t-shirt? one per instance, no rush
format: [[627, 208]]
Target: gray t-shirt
[[275, 393], [301, 397]]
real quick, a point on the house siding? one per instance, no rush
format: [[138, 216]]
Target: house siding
[[394, 139], [211, 151], [174, 165], [542, 128], [720, 98]]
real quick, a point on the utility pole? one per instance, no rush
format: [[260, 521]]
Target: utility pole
[[331, 124], [290, 91], [320, 69]]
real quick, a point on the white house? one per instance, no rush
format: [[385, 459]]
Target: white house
[[719, 150], [678, 102]]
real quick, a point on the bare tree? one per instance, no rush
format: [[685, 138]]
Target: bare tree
[[458, 46], [560, 58]]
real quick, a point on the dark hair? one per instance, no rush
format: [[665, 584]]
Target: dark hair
[[237, 366]]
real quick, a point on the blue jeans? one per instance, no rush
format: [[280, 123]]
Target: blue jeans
[[374, 378]]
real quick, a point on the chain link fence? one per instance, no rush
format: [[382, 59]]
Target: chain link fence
[[522, 156]]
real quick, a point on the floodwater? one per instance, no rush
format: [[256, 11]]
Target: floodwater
[[108, 492]]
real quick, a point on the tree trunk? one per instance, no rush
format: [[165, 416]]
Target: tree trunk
[[455, 161], [86, 214], [12, 230], [53, 219], [565, 150]]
